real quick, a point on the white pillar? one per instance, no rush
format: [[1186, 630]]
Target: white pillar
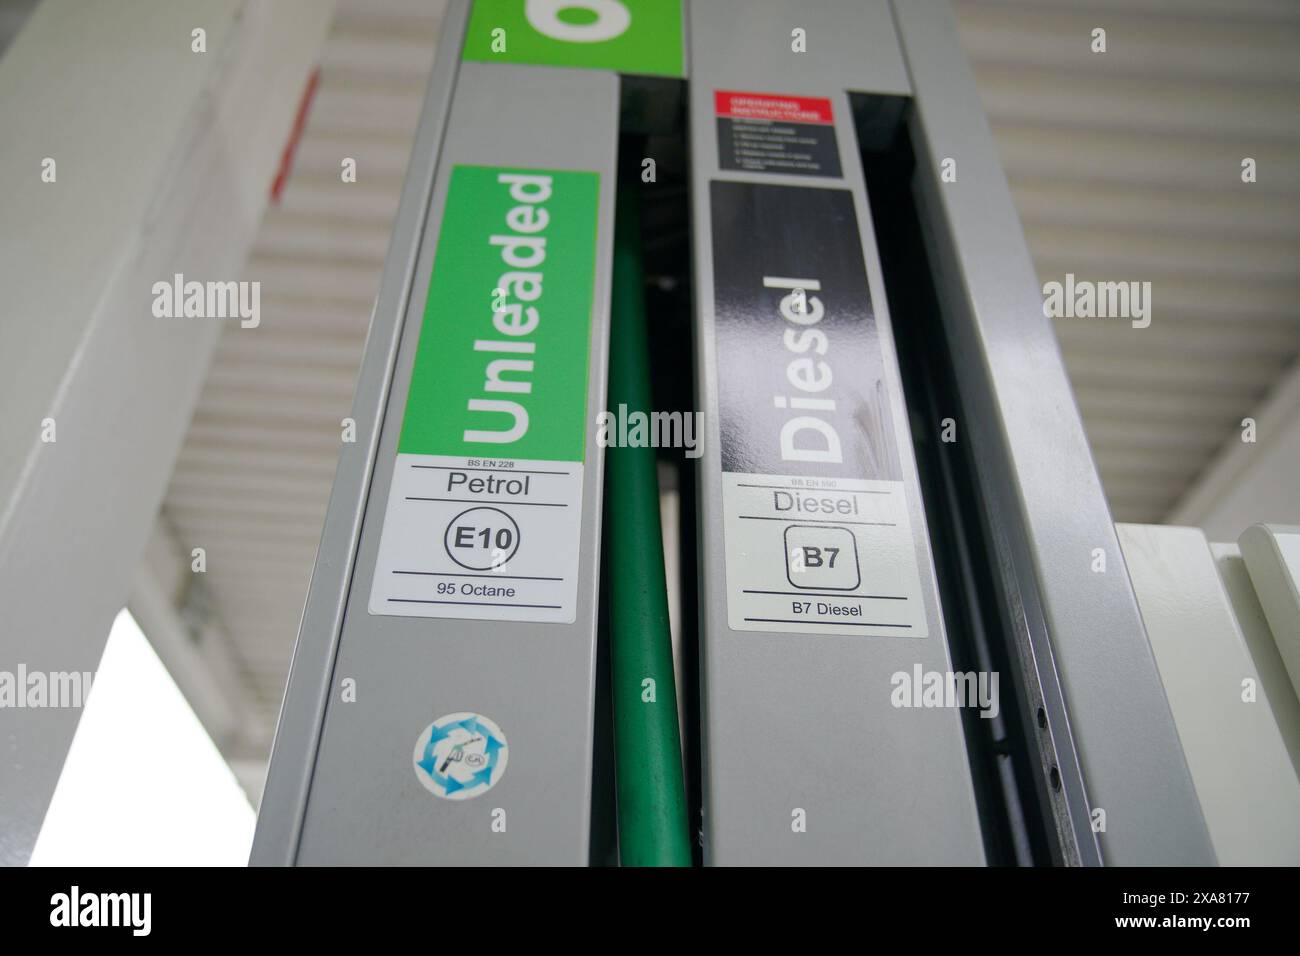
[[163, 162]]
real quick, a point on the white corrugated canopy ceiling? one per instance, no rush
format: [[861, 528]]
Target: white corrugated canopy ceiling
[[1127, 166], [1124, 166]]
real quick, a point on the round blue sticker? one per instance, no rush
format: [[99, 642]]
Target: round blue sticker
[[460, 756]]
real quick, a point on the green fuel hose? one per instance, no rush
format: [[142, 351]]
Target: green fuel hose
[[652, 826]]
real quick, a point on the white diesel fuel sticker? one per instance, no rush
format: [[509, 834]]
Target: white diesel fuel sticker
[[476, 538], [815, 515], [818, 554]]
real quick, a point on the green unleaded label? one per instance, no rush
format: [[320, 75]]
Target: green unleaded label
[[501, 367], [628, 36]]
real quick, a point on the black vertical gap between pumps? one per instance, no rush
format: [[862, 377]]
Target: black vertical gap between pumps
[[1017, 828], [652, 124], [670, 329]]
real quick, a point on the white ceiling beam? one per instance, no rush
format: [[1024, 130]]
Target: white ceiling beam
[[1251, 482], [198, 655]]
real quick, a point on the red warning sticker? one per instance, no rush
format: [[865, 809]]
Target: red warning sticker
[[768, 106], [770, 133]]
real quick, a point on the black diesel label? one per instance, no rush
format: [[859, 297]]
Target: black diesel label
[[817, 531]]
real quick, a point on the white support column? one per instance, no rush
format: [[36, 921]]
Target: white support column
[[163, 159]]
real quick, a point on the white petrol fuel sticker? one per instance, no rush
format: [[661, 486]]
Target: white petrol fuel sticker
[[477, 538], [484, 512], [815, 513]]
